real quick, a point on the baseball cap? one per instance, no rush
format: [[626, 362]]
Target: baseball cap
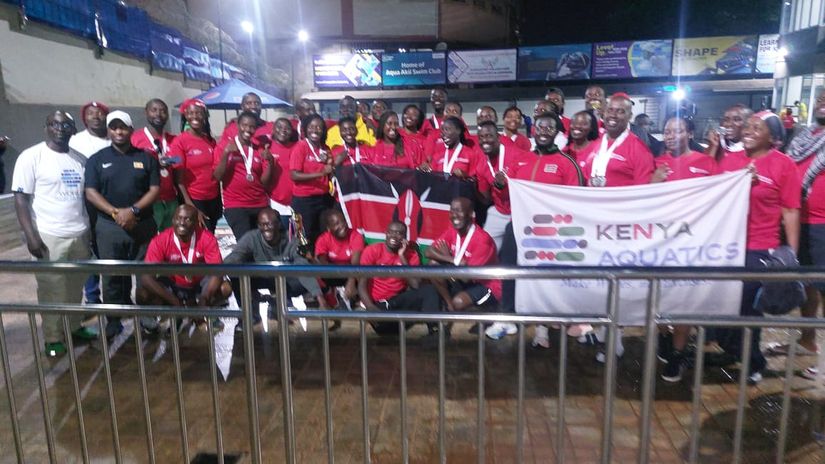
[[119, 115], [623, 95]]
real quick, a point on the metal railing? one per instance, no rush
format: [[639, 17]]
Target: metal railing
[[280, 273]]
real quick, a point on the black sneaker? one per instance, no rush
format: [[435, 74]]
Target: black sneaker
[[675, 367], [665, 349]]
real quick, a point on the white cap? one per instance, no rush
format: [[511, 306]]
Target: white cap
[[119, 115]]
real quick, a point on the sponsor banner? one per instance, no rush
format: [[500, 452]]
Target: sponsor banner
[[767, 54], [643, 58], [714, 55], [416, 68], [346, 70], [674, 224], [554, 62], [481, 66]]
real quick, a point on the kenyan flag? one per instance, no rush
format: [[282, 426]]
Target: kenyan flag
[[372, 196]]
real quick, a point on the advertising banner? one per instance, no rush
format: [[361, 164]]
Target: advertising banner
[[643, 58], [714, 55], [554, 62], [672, 224], [768, 53], [417, 68], [346, 70], [482, 66]]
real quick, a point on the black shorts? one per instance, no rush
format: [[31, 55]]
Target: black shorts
[[812, 248], [481, 295], [185, 295]]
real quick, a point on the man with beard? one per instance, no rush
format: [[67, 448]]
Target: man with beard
[[49, 202], [250, 102], [347, 108], [730, 140], [122, 182], [154, 140], [438, 98]]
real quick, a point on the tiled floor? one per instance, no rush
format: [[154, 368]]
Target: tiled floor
[[584, 405]]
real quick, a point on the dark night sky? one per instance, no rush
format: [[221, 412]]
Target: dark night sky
[[570, 21]]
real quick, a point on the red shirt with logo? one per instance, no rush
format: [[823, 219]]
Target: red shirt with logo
[[196, 169], [467, 159], [280, 189], [238, 191], [383, 154], [519, 141], [630, 164], [513, 159], [167, 182], [384, 288], [354, 155], [304, 159], [162, 249], [688, 165], [339, 251], [779, 186], [555, 169], [481, 251]]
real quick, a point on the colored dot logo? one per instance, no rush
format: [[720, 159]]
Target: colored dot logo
[[553, 237]]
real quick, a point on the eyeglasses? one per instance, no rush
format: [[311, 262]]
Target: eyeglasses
[[57, 125]]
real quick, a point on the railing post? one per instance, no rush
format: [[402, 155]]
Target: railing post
[[7, 374], [81, 423], [610, 368], [249, 358], [286, 369], [649, 373]]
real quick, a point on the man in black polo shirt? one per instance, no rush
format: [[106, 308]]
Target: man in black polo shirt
[[122, 182]]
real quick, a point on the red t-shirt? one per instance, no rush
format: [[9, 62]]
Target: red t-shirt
[[231, 130], [630, 164], [467, 159], [481, 251], [813, 207], [281, 187], [339, 251], [576, 154], [162, 249], [304, 160], [428, 127], [360, 152], [519, 141], [779, 187], [513, 158], [384, 288], [687, 166], [565, 122], [196, 165], [555, 169], [383, 154], [167, 178], [238, 191]]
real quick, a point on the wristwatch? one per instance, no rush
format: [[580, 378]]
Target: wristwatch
[[135, 210]]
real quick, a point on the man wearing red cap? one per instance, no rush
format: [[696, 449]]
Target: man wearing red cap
[[94, 138]]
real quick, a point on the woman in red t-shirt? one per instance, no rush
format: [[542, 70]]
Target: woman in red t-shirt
[[513, 120], [583, 130], [352, 151], [311, 167], [774, 202], [245, 170], [284, 139], [390, 148], [194, 147]]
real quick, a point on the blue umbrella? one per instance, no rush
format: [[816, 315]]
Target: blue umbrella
[[227, 96]]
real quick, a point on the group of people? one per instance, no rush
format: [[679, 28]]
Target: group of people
[[144, 194]]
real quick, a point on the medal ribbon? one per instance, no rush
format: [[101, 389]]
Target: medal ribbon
[[599, 167], [247, 158], [461, 248]]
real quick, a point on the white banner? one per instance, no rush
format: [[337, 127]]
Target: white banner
[[695, 222], [482, 66]]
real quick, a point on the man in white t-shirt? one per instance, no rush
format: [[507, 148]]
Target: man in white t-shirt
[[48, 186]]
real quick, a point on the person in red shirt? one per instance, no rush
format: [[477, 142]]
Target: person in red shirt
[[513, 119], [352, 151], [774, 203], [452, 155], [807, 150], [583, 131], [379, 107], [438, 98], [183, 243], [250, 103], [393, 293], [303, 108], [155, 140], [594, 99], [412, 118], [194, 147], [340, 245], [245, 171], [678, 162], [617, 158], [284, 139], [730, 141], [556, 96], [391, 149], [310, 166], [466, 244], [483, 114]]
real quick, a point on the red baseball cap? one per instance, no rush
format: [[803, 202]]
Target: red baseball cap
[[623, 95]]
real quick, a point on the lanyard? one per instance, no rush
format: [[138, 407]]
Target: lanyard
[[164, 144], [500, 161], [186, 259], [599, 167], [312, 149], [449, 162], [357, 155], [461, 248], [247, 158], [436, 124]]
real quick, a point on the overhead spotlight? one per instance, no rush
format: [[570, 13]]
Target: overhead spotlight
[[678, 94], [782, 52], [247, 27], [303, 35]]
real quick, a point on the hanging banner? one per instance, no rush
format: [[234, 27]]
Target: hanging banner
[[674, 224], [643, 58], [167, 50], [768, 53], [346, 70], [714, 55], [554, 62], [197, 65], [416, 68], [482, 66]]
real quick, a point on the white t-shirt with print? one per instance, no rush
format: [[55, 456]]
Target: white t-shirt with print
[[87, 144], [55, 180]]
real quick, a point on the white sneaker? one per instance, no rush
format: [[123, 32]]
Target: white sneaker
[[499, 330], [601, 356], [542, 337]]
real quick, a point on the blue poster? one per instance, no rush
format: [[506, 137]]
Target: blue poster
[[417, 68], [554, 62], [196, 62], [167, 50], [347, 70]]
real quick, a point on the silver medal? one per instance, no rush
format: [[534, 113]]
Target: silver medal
[[249, 177], [164, 172], [598, 181]]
